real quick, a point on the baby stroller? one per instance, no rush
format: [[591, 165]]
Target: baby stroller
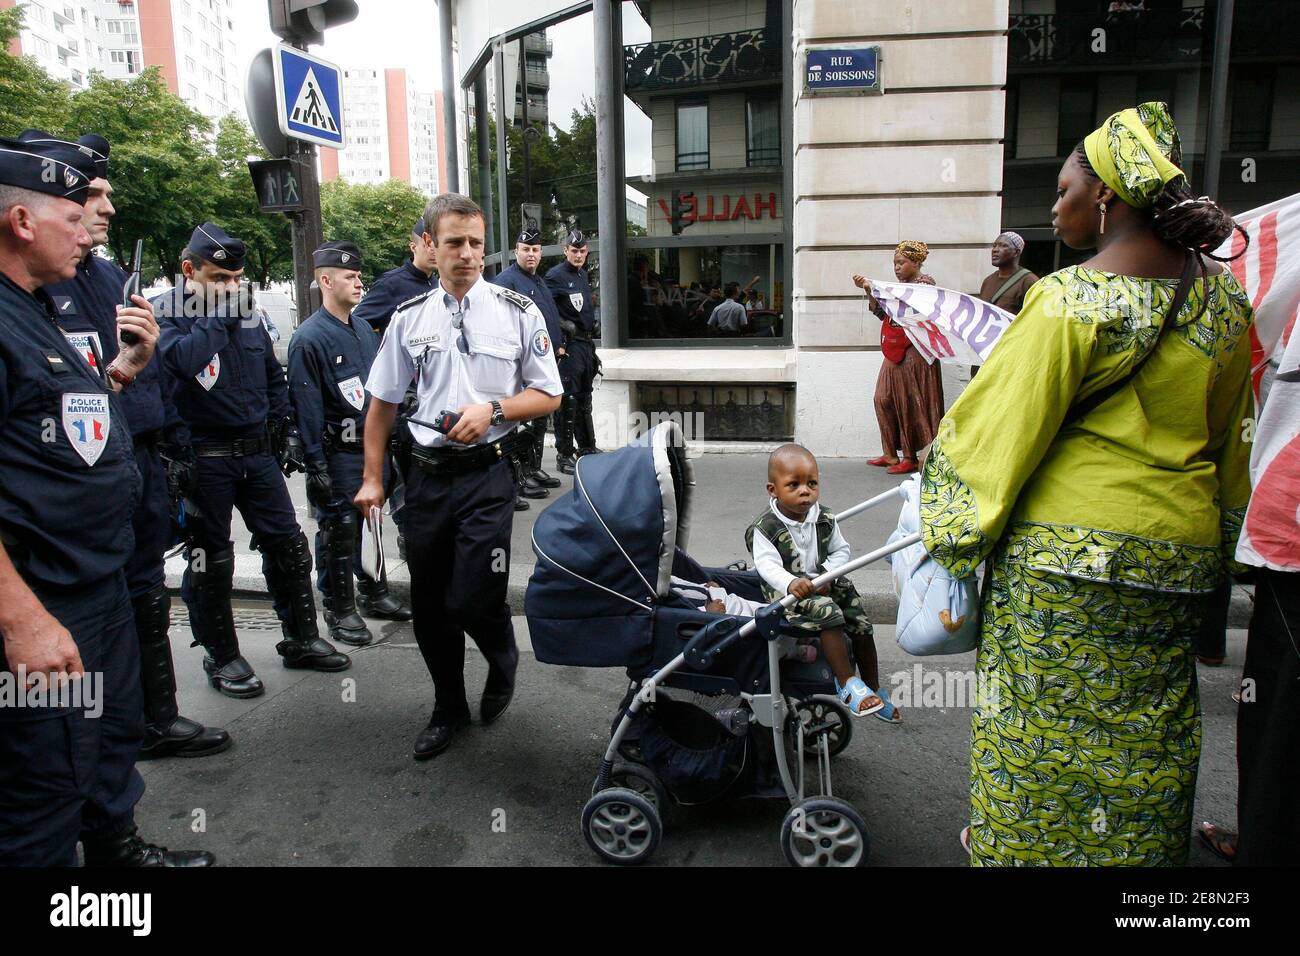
[[714, 708]]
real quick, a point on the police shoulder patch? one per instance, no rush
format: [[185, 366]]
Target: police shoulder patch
[[411, 301], [518, 298]]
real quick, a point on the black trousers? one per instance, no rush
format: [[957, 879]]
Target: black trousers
[[1268, 727], [458, 552], [69, 770]]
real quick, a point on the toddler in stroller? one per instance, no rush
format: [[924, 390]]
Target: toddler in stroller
[[714, 707], [794, 536]]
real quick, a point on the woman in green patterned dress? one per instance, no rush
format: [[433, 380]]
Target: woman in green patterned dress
[[1105, 529]]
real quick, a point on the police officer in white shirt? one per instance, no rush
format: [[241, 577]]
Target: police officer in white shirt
[[480, 351], [729, 315]]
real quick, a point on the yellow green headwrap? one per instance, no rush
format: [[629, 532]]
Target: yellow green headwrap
[[1130, 152]]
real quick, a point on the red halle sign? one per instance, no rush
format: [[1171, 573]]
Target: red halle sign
[[721, 209]]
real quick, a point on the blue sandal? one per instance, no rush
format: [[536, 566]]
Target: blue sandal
[[889, 714], [854, 693]]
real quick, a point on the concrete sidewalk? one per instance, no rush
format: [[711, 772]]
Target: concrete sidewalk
[[729, 492]]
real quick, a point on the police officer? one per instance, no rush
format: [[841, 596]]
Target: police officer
[[68, 488], [87, 308], [329, 360], [571, 289], [481, 351], [232, 394], [413, 277], [523, 277]]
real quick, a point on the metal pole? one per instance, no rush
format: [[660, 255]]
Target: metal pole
[[523, 86], [449, 131], [306, 232], [1218, 98], [483, 146], [611, 215], [505, 116]]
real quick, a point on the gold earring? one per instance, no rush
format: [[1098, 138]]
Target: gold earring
[[1102, 230]]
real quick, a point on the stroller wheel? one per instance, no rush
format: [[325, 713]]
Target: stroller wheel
[[621, 826], [822, 713], [639, 779], [824, 831]]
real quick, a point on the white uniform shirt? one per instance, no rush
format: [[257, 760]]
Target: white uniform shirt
[[728, 316], [767, 560], [509, 351]]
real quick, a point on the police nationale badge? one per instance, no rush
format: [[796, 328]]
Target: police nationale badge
[[211, 372], [575, 299], [353, 392], [86, 421], [541, 343], [88, 344]]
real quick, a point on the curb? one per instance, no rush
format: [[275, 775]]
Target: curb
[[878, 597]]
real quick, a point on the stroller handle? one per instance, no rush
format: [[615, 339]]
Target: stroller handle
[[871, 503], [702, 655]]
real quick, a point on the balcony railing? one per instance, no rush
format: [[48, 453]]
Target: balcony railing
[[1161, 36], [1261, 30], [719, 58]]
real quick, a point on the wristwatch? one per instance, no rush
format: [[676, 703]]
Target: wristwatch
[[119, 376], [498, 413]]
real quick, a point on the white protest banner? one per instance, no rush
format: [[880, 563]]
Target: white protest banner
[[1270, 536], [944, 325], [1270, 274]]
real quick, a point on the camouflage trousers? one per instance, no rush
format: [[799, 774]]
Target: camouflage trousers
[[841, 608]]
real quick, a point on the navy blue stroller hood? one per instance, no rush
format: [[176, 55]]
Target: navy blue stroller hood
[[605, 553]]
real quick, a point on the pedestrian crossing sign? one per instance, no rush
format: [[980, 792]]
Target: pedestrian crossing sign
[[309, 97]]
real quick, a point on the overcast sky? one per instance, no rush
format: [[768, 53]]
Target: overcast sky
[[404, 33]]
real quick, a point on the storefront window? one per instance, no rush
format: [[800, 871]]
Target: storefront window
[[673, 292]]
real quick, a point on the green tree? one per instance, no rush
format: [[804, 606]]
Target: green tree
[[29, 97], [165, 175], [377, 218], [266, 235]]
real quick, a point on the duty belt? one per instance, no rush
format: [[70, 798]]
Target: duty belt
[[447, 461], [233, 449], [334, 441]]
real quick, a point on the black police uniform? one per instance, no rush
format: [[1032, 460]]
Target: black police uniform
[[86, 306], [389, 291], [534, 286], [69, 486], [329, 362], [571, 291], [230, 390]]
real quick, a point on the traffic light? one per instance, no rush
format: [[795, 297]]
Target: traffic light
[[305, 21], [683, 204]]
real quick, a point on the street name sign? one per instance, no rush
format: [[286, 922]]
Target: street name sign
[[843, 70]]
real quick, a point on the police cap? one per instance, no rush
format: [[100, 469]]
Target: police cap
[[575, 238], [98, 147], [210, 242], [40, 163], [418, 230], [340, 254], [529, 237]]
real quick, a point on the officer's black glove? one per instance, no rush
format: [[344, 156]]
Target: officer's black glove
[[292, 453], [320, 491], [182, 470]]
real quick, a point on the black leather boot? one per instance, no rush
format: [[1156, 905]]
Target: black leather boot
[[377, 601], [529, 487], [534, 463], [128, 848], [585, 428], [564, 422], [212, 575], [166, 732], [289, 577], [340, 601]]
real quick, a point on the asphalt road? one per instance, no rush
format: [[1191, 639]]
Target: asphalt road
[[321, 772]]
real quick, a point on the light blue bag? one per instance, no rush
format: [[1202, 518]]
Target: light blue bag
[[937, 613]]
